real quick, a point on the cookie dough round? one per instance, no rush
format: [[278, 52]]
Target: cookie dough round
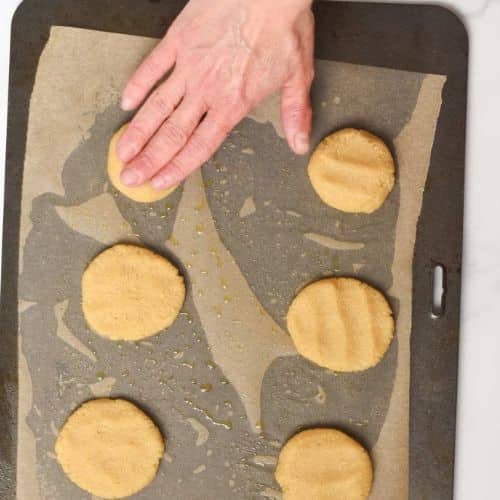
[[341, 323], [352, 170], [110, 448], [324, 464], [142, 194], [129, 293]]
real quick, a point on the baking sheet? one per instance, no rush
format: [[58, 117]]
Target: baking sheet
[[255, 205]]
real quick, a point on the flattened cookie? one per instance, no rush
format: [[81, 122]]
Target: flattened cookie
[[142, 194], [110, 448], [352, 170], [129, 293], [324, 464], [341, 323]]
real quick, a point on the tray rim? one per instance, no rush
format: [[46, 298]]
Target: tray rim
[[429, 472]]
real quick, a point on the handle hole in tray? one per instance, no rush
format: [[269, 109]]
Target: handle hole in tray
[[438, 290]]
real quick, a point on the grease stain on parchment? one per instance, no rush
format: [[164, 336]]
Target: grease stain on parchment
[[65, 334], [102, 388], [320, 396], [244, 339], [201, 431], [98, 218], [53, 428], [201, 468], [271, 493], [333, 243], [248, 207], [265, 460], [24, 305]]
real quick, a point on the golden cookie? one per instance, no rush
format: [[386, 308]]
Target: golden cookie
[[142, 194], [129, 293], [352, 170], [324, 464], [110, 448], [341, 323]]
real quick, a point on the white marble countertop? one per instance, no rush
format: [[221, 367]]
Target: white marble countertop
[[478, 426]]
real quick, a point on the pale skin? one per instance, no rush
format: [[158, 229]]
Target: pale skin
[[224, 58]]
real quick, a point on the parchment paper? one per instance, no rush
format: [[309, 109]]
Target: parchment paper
[[223, 383]]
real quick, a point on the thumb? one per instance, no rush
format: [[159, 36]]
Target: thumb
[[296, 113]]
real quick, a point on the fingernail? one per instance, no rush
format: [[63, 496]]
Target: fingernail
[[162, 181], [127, 104], [130, 177], [301, 143], [126, 150]]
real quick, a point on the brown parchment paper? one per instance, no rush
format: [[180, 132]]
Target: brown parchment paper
[[224, 382]]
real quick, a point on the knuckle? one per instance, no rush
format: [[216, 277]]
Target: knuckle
[[234, 106], [136, 84], [224, 126], [303, 75], [246, 98], [225, 121], [199, 147], [295, 44], [306, 25], [171, 33], [295, 111], [292, 43], [238, 96], [178, 169], [161, 103], [183, 37], [171, 133], [137, 133], [151, 66], [148, 161]]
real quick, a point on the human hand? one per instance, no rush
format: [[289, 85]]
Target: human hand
[[225, 59]]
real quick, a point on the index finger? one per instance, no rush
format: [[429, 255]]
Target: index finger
[[156, 64]]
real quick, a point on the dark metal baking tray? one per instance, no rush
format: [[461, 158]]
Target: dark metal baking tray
[[424, 39]]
